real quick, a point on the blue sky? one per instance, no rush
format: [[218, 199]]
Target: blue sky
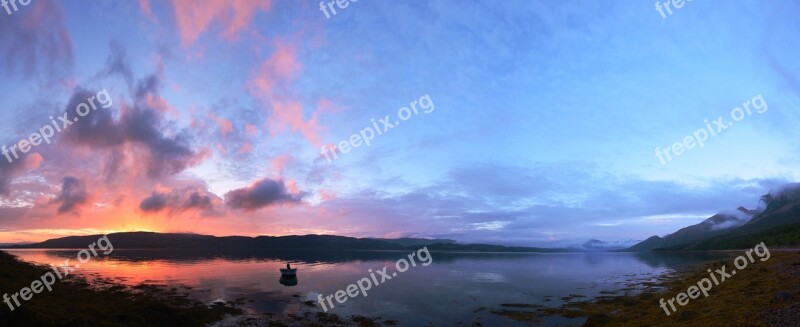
[[547, 116]]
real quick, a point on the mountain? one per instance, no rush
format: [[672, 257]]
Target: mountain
[[717, 224], [779, 208], [598, 245], [781, 236], [648, 245], [406, 241], [149, 240], [776, 222]]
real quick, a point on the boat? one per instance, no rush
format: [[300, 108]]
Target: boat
[[289, 271], [288, 276]]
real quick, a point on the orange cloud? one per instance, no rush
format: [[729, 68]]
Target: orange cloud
[[195, 17], [33, 161]]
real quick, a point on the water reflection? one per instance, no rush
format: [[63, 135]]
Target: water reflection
[[450, 290], [288, 280]]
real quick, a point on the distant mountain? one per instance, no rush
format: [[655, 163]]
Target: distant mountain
[[776, 222], [5, 245], [598, 245], [406, 241], [148, 240]]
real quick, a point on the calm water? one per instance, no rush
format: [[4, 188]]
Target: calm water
[[451, 290]]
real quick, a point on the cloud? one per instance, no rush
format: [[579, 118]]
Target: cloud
[[141, 125], [36, 41], [275, 71], [225, 125], [564, 204], [8, 171], [179, 201], [147, 9], [263, 193], [155, 202], [73, 194], [195, 17], [269, 86]]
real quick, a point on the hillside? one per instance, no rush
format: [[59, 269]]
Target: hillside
[[718, 224], [781, 236], [776, 222], [149, 240]]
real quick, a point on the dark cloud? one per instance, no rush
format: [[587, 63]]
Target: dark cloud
[[179, 201], [73, 194], [263, 193], [155, 202], [197, 201], [140, 124]]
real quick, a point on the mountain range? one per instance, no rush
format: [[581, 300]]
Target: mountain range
[[776, 221], [150, 240]]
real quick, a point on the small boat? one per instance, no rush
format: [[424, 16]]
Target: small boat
[[288, 276], [289, 271]]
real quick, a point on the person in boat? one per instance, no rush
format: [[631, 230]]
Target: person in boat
[[288, 266]]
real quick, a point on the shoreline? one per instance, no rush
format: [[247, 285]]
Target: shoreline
[[75, 301], [764, 294]]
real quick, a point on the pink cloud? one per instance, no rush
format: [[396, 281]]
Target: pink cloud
[[326, 105], [246, 148], [195, 17], [327, 195], [251, 130], [279, 163], [290, 114], [146, 9], [278, 69], [225, 125]]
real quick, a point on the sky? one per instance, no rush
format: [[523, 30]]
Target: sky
[[537, 123]]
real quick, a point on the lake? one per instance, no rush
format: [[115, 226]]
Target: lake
[[456, 288]]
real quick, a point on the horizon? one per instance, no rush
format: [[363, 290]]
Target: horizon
[[527, 124]]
